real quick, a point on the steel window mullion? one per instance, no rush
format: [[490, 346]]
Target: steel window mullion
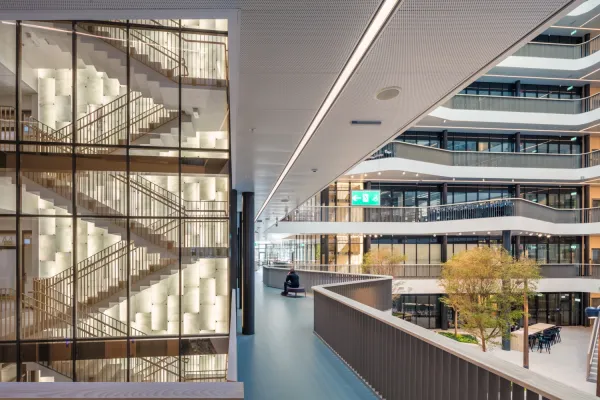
[[18, 256]]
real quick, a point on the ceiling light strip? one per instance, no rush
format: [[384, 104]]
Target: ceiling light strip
[[375, 26]]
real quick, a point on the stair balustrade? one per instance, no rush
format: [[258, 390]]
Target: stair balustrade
[[48, 315], [105, 126], [203, 58]]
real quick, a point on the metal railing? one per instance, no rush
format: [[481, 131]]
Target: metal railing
[[508, 207], [400, 360], [559, 50], [592, 347], [523, 104], [487, 159], [567, 270], [197, 59]]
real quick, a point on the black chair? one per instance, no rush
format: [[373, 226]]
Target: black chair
[[558, 329]]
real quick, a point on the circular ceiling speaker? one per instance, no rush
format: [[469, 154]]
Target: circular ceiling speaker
[[388, 93]]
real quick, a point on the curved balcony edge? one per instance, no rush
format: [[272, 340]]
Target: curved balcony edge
[[522, 118], [398, 157]]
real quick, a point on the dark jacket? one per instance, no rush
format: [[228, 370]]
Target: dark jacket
[[293, 279]]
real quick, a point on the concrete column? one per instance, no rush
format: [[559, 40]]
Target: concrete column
[[248, 273]]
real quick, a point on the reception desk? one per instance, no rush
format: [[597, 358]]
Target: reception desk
[[516, 337]]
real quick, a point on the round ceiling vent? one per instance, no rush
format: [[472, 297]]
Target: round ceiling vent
[[388, 93]]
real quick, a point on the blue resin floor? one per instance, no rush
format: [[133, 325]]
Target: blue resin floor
[[286, 360]]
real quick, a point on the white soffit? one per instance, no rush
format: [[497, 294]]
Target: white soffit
[[291, 52], [430, 49]]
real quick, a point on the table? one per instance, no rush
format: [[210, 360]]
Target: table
[[516, 337]]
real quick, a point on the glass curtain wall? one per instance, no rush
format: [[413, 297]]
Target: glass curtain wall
[[114, 214]]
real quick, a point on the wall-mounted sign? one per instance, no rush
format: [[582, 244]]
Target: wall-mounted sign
[[366, 198]]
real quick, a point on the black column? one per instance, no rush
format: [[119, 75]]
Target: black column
[[518, 142], [586, 147], [239, 259], [324, 249], [444, 144], [518, 88], [366, 244], [506, 246], [518, 190], [585, 49], [444, 249], [444, 193], [233, 240], [586, 301], [586, 96], [248, 273]]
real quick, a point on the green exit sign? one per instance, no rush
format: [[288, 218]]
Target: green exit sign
[[366, 197]]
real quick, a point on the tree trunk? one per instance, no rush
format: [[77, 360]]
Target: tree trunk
[[456, 324], [482, 332]]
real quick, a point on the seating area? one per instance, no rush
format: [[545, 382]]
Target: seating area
[[545, 339]]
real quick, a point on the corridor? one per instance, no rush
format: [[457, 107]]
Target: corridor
[[286, 360]]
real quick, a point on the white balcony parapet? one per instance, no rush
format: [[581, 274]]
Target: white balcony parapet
[[400, 156], [513, 214]]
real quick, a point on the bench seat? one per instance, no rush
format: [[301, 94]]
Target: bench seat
[[297, 290]]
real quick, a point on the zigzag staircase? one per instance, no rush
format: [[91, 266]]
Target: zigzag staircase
[[104, 126], [48, 315]]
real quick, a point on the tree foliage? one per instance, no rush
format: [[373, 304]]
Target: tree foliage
[[381, 262], [486, 286]]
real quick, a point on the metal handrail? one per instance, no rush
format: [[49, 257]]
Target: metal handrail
[[506, 207], [499, 153], [592, 347], [347, 321]]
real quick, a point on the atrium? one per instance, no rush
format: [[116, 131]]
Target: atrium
[[166, 167]]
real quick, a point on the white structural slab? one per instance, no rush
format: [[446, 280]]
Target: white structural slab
[[436, 227], [450, 171], [552, 64], [569, 121]]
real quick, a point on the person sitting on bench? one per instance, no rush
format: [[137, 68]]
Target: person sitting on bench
[[292, 280]]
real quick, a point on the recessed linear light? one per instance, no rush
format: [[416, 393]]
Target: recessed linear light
[[383, 14], [363, 122]]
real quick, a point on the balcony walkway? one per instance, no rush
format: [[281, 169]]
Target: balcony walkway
[[285, 360]]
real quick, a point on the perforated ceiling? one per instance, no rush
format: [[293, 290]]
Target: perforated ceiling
[[291, 51]]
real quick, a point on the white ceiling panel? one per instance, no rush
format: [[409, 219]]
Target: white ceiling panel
[[430, 49]]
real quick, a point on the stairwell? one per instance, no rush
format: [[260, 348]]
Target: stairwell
[[150, 263]]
